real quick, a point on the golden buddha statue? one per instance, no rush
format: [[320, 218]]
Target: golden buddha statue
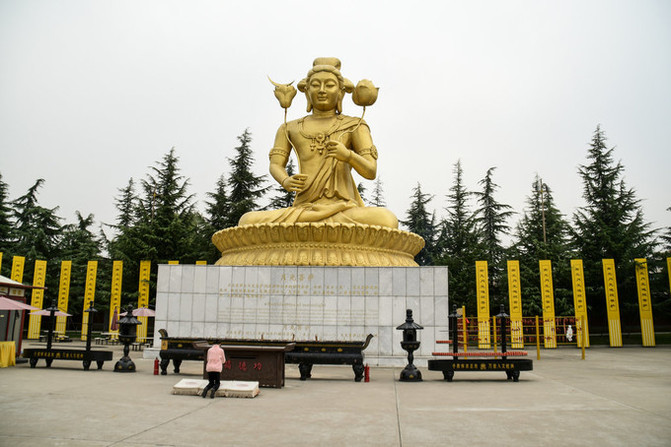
[[328, 223], [328, 145]]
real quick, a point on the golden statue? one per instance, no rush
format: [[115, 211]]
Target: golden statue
[[328, 223]]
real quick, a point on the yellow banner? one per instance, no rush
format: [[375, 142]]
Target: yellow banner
[[201, 262], [37, 297], [482, 290], [547, 296], [0, 262], [515, 299], [63, 294], [17, 268], [173, 262], [579, 301], [644, 302], [668, 270], [612, 303], [143, 298], [115, 296], [89, 295]]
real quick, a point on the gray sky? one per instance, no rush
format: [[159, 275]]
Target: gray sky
[[92, 93]]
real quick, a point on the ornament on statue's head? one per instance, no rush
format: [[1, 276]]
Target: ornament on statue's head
[[284, 93]]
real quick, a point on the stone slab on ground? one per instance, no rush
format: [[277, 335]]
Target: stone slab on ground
[[228, 388]]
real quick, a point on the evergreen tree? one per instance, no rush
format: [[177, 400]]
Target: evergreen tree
[[362, 191], [422, 223], [458, 242], [542, 234], [609, 226], [164, 225], [491, 219], [5, 222], [166, 210], [378, 194], [219, 209], [126, 204], [37, 228], [666, 239], [246, 188], [284, 198], [80, 246]]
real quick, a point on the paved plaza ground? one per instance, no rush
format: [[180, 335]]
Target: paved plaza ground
[[616, 397]]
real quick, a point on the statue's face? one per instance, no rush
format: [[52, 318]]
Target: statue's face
[[323, 90]]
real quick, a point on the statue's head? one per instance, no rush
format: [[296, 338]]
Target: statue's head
[[325, 86]]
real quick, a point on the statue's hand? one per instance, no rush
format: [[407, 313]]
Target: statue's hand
[[295, 183], [338, 150]]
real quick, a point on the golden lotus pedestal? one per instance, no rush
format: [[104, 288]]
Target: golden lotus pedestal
[[331, 244]]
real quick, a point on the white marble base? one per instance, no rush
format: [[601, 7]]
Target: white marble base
[[305, 303]]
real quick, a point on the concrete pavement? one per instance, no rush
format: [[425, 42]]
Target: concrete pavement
[[614, 397]]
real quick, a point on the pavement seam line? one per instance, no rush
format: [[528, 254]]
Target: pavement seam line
[[398, 410], [159, 425]]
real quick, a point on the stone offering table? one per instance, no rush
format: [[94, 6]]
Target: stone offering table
[[491, 361], [49, 355], [251, 363], [304, 353]]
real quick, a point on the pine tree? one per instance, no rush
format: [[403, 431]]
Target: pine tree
[[80, 245], [491, 219], [246, 188], [37, 228], [361, 188], [609, 226], [422, 223], [5, 221], [542, 234], [666, 239], [378, 194], [218, 210], [458, 242], [167, 210], [283, 198], [126, 204], [163, 224]]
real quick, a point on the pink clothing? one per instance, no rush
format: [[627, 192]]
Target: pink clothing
[[215, 359]]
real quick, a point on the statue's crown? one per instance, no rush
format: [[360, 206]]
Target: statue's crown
[[332, 61]]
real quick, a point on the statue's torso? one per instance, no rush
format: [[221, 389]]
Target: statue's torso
[[309, 138]]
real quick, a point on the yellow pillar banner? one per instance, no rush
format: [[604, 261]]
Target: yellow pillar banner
[[39, 277], [612, 303], [143, 298], [547, 296], [644, 302], [482, 288], [89, 295], [515, 299], [668, 270], [579, 301], [0, 262], [17, 268], [115, 295], [173, 262], [63, 294], [201, 262]]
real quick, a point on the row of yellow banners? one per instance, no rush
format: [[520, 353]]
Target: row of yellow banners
[[579, 303], [35, 322], [482, 290]]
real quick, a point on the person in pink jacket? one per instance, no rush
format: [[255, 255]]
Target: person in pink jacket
[[215, 363]]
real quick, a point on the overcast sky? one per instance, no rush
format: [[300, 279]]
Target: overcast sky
[[92, 93]]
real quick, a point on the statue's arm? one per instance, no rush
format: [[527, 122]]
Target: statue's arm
[[362, 157], [279, 157]]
